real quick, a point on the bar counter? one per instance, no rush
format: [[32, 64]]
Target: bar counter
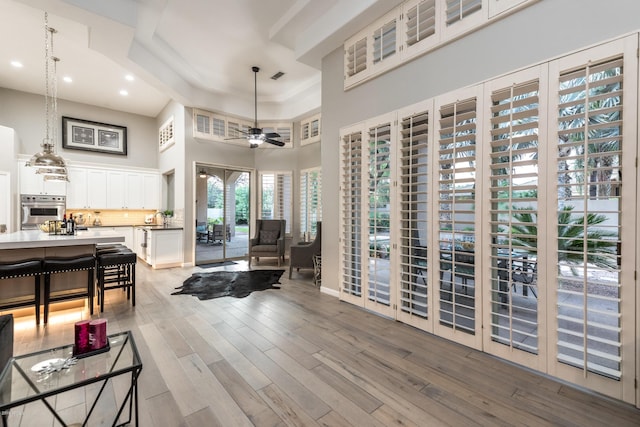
[[28, 239], [34, 244]]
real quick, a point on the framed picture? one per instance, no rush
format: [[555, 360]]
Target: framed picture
[[86, 135]]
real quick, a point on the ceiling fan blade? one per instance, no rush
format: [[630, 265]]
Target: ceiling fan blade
[[236, 138], [272, 135], [274, 142]]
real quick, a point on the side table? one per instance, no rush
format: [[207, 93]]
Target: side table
[[21, 384]]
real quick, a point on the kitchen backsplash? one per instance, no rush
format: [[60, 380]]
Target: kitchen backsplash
[[112, 217]]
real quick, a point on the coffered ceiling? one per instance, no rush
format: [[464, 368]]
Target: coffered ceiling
[[198, 52]]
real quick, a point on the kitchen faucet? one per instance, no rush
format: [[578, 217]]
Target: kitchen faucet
[[164, 217]]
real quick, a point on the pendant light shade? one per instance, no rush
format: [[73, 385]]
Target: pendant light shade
[[47, 163]]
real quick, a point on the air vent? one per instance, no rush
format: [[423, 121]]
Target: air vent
[[277, 75]]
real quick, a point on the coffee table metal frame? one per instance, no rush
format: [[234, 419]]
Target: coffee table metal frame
[[118, 343]]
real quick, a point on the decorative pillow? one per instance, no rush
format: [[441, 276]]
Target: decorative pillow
[[269, 237]]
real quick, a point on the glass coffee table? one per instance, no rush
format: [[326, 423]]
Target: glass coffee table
[[45, 374]]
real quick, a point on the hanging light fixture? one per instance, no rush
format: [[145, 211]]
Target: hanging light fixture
[[203, 173], [47, 163]]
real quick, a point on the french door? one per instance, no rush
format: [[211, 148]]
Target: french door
[[367, 212], [503, 216]]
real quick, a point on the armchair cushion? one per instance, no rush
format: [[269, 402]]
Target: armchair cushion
[[269, 237]]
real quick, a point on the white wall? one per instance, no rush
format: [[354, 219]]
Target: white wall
[[542, 31], [24, 112]]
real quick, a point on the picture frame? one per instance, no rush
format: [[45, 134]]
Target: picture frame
[[78, 134]]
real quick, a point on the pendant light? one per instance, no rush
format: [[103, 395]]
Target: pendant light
[[203, 173], [47, 163]]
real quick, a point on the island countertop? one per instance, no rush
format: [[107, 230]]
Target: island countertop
[[26, 239]]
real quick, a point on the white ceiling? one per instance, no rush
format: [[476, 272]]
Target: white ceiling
[[198, 52]]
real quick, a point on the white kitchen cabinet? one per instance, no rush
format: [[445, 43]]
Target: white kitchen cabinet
[[152, 190], [164, 247], [87, 188], [32, 183], [140, 242], [116, 189], [126, 230], [133, 190]]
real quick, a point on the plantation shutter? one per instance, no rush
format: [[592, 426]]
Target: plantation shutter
[[356, 57], [420, 22], [351, 215], [514, 125], [203, 123], [414, 182], [456, 215], [384, 41], [379, 213], [219, 127], [457, 10], [276, 197], [589, 179], [310, 208]]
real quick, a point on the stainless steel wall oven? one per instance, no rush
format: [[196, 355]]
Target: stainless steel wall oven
[[36, 209]]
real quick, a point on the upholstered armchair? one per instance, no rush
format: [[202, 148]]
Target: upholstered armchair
[[268, 240], [301, 255]]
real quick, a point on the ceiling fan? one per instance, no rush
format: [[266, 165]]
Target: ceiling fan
[[254, 135]]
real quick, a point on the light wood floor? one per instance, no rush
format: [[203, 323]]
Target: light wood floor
[[295, 356]]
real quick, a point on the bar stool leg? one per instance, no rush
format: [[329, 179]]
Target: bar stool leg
[[47, 293], [90, 289], [133, 285], [101, 285], [37, 296]]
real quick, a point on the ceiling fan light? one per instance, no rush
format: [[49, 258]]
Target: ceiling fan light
[[256, 139], [202, 173]]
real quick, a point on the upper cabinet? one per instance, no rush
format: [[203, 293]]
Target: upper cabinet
[[32, 183], [87, 188], [97, 188], [133, 190]]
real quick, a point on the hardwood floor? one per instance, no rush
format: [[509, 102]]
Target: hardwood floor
[[295, 356]]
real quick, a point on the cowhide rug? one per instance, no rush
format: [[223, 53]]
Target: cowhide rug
[[238, 284]]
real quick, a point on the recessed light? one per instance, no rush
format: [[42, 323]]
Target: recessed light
[[129, 77], [124, 92], [67, 79], [17, 64]]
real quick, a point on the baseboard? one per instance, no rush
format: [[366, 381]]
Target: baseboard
[[329, 291]]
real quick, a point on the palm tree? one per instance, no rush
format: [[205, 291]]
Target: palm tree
[[601, 246]]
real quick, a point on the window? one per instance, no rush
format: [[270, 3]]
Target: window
[[456, 214], [589, 176], [507, 216], [282, 129], [413, 193], [276, 197], [413, 28], [514, 214], [310, 130], [165, 134], [351, 216], [310, 204], [208, 125], [420, 25]]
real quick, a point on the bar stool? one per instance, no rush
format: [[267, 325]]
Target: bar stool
[[117, 270], [23, 268], [63, 265]]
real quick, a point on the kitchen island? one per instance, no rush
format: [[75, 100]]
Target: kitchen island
[[28, 239], [36, 244]]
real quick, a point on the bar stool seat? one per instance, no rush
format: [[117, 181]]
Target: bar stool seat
[[63, 265], [23, 268], [117, 270]]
